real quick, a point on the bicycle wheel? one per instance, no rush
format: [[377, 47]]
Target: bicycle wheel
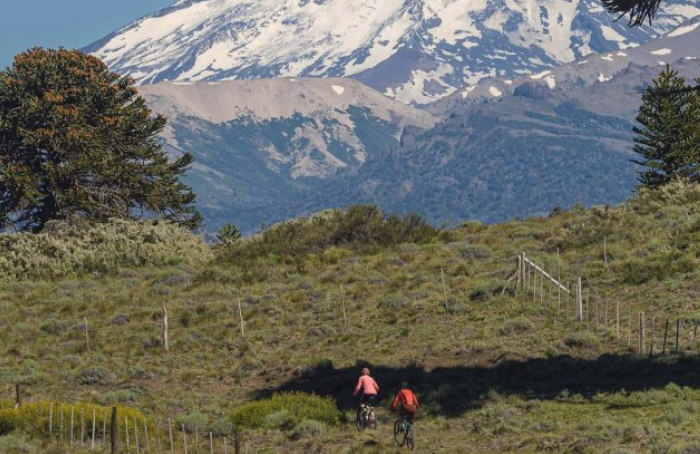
[[360, 420], [398, 433], [372, 419], [409, 437]]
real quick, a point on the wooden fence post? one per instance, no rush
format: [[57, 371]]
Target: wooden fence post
[[87, 335], [678, 330], [519, 281], [695, 335], [113, 431], [641, 333], [82, 427], [166, 335], [18, 395], [159, 444], [184, 437], [211, 443], [542, 285], [61, 425], [72, 418], [170, 433], [94, 422], [104, 432], [617, 323], [651, 337], [605, 251], [240, 314], [444, 289], [145, 434], [558, 280], [126, 431], [50, 419], [342, 303], [237, 445], [196, 439], [579, 301], [136, 436], [663, 349]]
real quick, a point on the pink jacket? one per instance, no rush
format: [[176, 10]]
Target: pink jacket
[[367, 385]]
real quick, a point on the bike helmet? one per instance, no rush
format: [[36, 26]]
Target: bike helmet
[[404, 385]]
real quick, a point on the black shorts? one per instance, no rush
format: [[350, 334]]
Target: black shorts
[[368, 399]]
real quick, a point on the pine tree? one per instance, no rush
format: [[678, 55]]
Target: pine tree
[[639, 11], [77, 142], [668, 135]]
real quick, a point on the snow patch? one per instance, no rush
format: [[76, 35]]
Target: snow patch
[[661, 52], [468, 90], [495, 92], [541, 75], [602, 78], [550, 81], [608, 57], [683, 30], [339, 90]]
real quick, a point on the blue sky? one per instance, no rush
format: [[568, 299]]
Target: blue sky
[[67, 23]]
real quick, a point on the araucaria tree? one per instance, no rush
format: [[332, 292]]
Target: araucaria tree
[[78, 142], [669, 133]]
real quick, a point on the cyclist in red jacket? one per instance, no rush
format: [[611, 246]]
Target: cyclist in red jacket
[[408, 401]]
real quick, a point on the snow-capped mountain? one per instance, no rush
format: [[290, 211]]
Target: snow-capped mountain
[[415, 51], [268, 150]]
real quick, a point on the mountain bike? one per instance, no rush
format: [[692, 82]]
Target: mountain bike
[[404, 434], [366, 416]]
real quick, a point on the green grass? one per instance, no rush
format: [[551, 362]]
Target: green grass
[[495, 373]]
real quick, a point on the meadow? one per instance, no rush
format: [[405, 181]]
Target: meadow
[[302, 307]]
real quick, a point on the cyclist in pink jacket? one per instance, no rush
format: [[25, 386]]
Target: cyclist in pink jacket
[[369, 388]]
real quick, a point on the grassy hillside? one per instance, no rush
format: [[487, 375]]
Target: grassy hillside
[[495, 371]]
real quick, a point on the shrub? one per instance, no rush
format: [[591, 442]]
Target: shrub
[[298, 406], [192, 421], [658, 267], [357, 227], [471, 251], [516, 325], [61, 249], [581, 340], [307, 428]]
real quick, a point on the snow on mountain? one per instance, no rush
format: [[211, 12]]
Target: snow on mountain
[[415, 51], [677, 45]]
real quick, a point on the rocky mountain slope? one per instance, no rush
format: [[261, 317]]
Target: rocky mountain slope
[[522, 148], [416, 51], [262, 144]]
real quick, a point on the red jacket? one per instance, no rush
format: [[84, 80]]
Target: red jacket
[[407, 397]]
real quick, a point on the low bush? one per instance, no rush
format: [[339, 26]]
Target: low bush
[[656, 267], [582, 340], [288, 410], [516, 325], [61, 249], [357, 227]]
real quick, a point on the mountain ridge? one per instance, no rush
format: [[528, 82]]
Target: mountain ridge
[[415, 51]]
